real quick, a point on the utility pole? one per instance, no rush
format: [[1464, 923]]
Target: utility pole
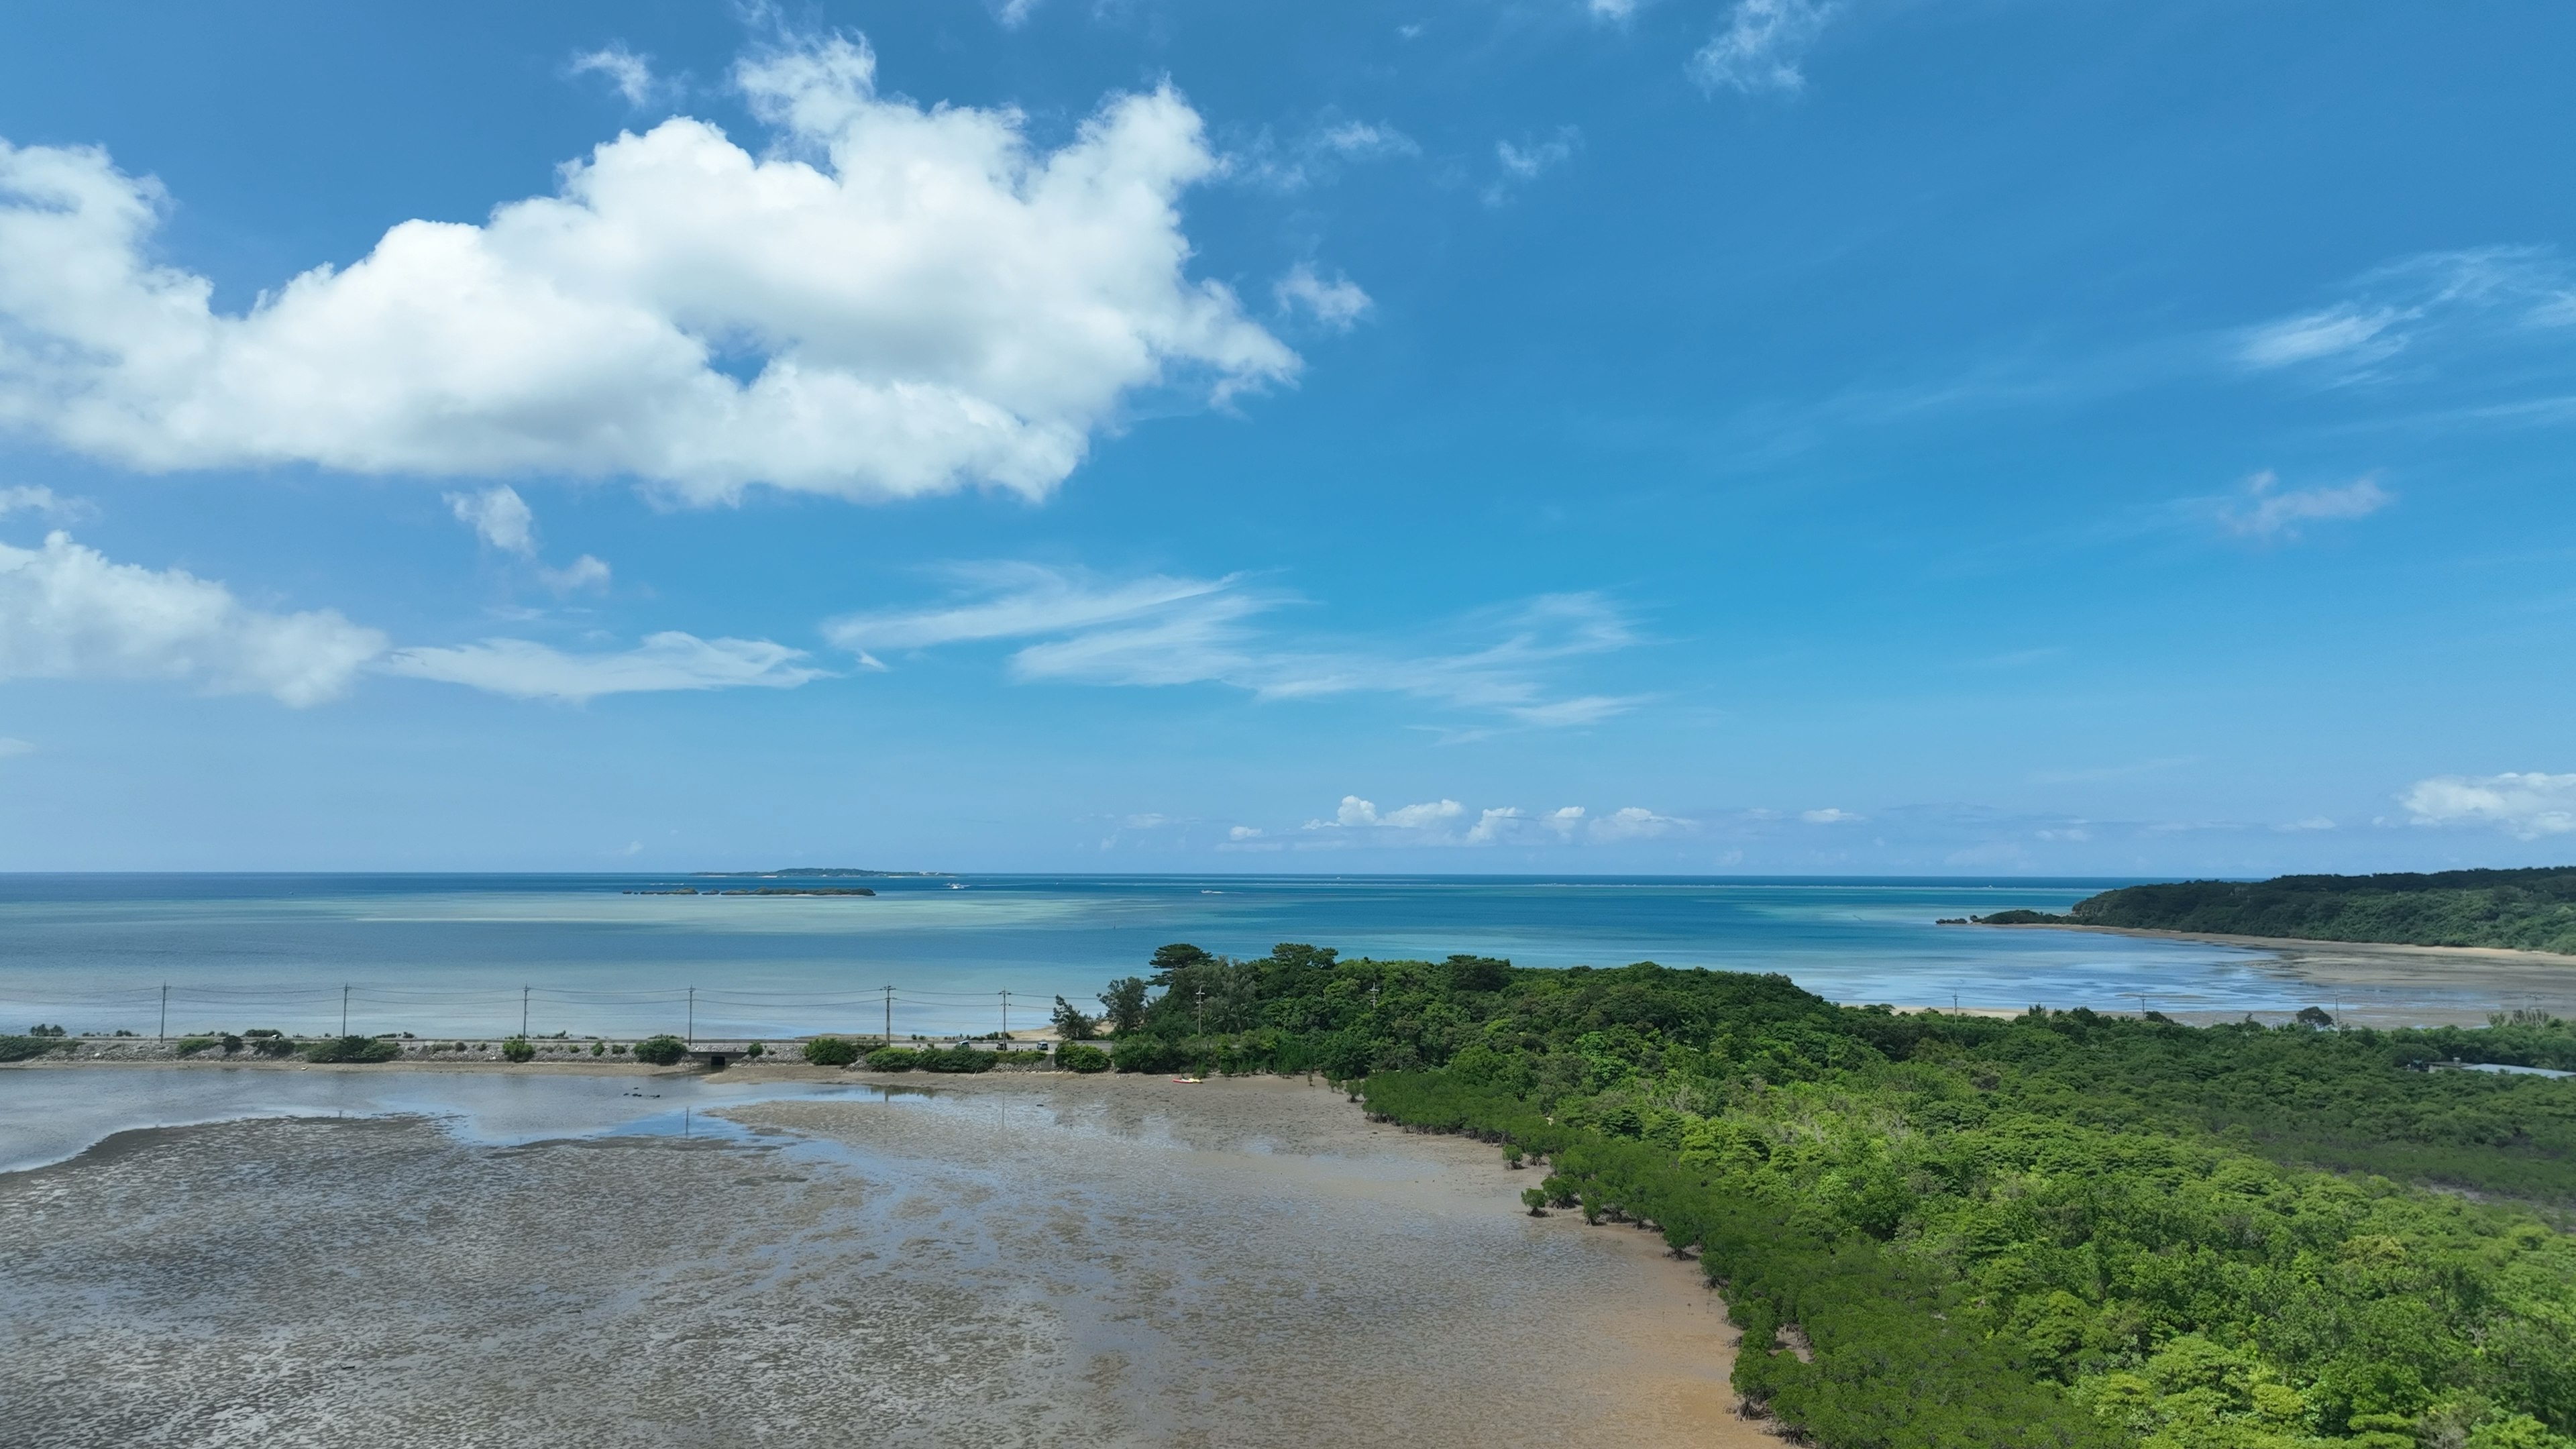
[[693, 1014], [1006, 1016], [165, 1011], [889, 1005], [344, 1008], [523, 1013], [2142, 1006]]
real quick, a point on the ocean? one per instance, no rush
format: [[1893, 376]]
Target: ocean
[[475, 955]]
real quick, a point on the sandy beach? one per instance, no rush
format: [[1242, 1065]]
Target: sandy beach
[[996, 1261], [2386, 985]]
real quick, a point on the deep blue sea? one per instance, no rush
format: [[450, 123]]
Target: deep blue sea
[[460, 954]]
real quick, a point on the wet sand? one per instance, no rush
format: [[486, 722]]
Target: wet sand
[[1005, 1261], [2388, 985]]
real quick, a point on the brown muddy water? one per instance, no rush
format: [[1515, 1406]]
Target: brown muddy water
[[1000, 1262]]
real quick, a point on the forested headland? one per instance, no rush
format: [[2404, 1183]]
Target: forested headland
[[2526, 910], [2061, 1229]]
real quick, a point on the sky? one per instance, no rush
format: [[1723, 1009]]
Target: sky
[[1636, 436]]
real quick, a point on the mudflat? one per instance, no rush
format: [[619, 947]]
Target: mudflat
[[999, 1261]]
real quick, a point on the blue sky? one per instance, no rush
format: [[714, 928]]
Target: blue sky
[[1706, 436]]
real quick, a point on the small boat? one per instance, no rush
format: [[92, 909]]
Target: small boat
[[1189, 1081]]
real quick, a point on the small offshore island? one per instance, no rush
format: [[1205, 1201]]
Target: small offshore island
[[793, 873]]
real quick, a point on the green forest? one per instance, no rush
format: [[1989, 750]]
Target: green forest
[[2529, 910], [2060, 1229]]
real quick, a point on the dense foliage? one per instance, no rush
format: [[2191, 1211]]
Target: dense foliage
[[661, 1051], [832, 1051], [2060, 1229], [2531, 910], [31, 1046], [368, 1049]]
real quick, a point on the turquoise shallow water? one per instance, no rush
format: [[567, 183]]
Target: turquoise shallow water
[[442, 955]]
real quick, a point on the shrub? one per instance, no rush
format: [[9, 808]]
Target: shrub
[[271, 1044], [831, 1051], [519, 1049], [959, 1058], [661, 1051], [25, 1048], [892, 1059], [189, 1046], [1079, 1058], [755, 1049], [1535, 1199], [232, 1043], [353, 1049], [598, 1048], [1147, 1054], [618, 1050], [40, 1029]]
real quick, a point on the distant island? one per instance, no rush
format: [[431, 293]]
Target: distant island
[[761, 891], [2522, 910], [819, 872]]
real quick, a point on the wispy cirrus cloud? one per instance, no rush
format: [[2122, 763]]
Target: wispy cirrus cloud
[[1519, 163], [2477, 297], [2266, 510], [1760, 46], [1168, 630], [523, 669], [1317, 155]]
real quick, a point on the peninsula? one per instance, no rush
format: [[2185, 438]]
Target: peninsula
[[2515, 910]]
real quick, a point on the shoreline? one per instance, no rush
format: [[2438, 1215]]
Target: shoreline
[[2512, 954], [1079, 1258]]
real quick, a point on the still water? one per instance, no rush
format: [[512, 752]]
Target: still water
[[483, 955]]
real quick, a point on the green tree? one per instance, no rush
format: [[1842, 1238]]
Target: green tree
[[1123, 1004], [1072, 1023]]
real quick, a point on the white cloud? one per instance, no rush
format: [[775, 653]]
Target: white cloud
[[1635, 823], [1358, 814], [920, 299], [1611, 9], [11, 747], [1164, 630], [1367, 139], [1244, 832], [30, 499], [2481, 296], [1524, 163], [1434, 823], [630, 73], [1336, 304], [499, 517], [1828, 816], [2267, 512], [1027, 599], [69, 612], [2524, 805], [584, 572], [1761, 45], [1316, 157], [2335, 332], [665, 661]]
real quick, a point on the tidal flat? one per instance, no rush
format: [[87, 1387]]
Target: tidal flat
[[997, 1261]]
